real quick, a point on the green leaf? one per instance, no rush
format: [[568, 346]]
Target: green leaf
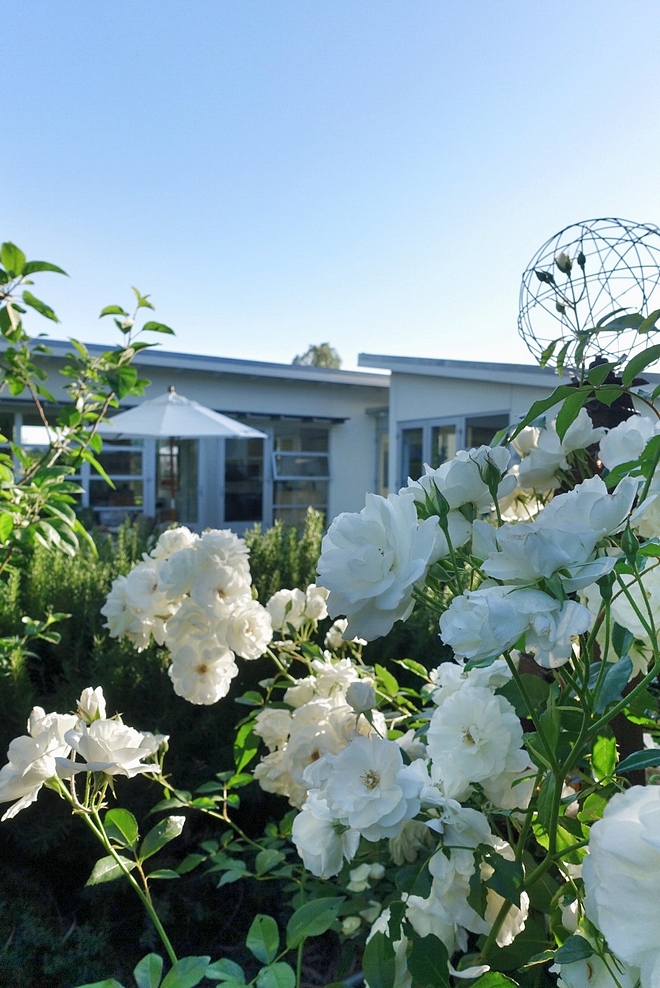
[[638, 363], [13, 259], [280, 975], [389, 683], [648, 758], [225, 970], [122, 380], [603, 757], [6, 525], [164, 873], [33, 267], [246, 746], [541, 407], [548, 352], [378, 962], [613, 683], [622, 639], [233, 875], [160, 835], [107, 869], [39, 306], [574, 948], [312, 919], [650, 321], [263, 939], [186, 973], [598, 373], [428, 963], [121, 827], [149, 971], [157, 327], [113, 310], [190, 862], [561, 357], [508, 876], [267, 860], [493, 979], [570, 409]]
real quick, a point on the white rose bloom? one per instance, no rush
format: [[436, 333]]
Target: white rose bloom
[[526, 440], [626, 441], [219, 581], [335, 636], [538, 469], [415, 836], [402, 977], [473, 735], [322, 848], [359, 878], [273, 727], [173, 540], [371, 561], [123, 621], [248, 631], [196, 625], [225, 546], [551, 635], [513, 788], [110, 747], [316, 607], [371, 790], [307, 746], [286, 607], [646, 517], [176, 572], [91, 705], [434, 916], [361, 696], [460, 480], [273, 776], [32, 759], [619, 879], [452, 676], [202, 673], [301, 692], [486, 622], [333, 677]]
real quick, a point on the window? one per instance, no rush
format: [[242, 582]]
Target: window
[[301, 470], [123, 461], [436, 441], [244, 479]]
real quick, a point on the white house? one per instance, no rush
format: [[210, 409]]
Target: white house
[[439, 406], [321, 425]]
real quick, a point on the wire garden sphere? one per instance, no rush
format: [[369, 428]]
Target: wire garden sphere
[[592, 291]]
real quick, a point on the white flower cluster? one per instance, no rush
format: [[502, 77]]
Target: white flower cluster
[[320, 720], [98, 744], [193, 594]]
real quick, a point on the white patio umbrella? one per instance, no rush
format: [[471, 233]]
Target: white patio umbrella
[[171, 416]]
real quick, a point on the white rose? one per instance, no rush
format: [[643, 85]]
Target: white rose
[[473, 735], [315, 602], [110, 747], [32, 760], [322, 846], [371, 790], [202, 673], [91, 705], [361, 696], [371, 561], [626, 441], [619, 879], [172, 541], [461, 479], [248, 631], [486, 622], [286, 607], [273, 727]]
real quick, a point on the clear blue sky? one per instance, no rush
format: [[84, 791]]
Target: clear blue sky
[[376, 173]]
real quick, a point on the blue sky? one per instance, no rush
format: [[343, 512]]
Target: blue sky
[[376, 173]]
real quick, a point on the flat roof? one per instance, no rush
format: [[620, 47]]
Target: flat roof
[[229, 365], [472, 370]]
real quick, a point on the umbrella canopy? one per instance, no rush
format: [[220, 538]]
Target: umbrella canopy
[[172, 415]]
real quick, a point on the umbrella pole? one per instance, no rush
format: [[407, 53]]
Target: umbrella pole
[[173, 482]]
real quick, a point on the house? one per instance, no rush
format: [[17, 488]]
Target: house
[[437, 407], [321, 427]]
